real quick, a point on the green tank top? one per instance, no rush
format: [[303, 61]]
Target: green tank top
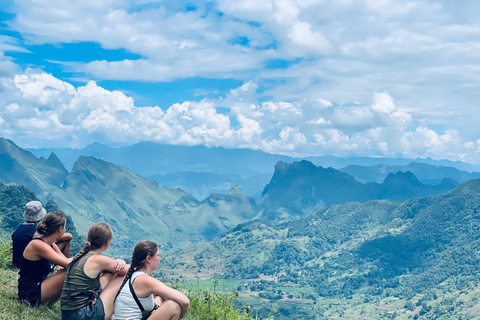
[[78, 288]]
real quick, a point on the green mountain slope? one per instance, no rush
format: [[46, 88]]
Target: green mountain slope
[[411, 249], [23, 168], [12, 205], [138, 208]]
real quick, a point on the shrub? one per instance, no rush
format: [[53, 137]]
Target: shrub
[[5, 255]]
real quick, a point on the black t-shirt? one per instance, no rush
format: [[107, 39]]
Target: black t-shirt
[[20, 239]]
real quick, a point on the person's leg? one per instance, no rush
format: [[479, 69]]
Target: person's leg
[[169, 310], [105, 279], [64, 244], [108, 295], [52, 287]]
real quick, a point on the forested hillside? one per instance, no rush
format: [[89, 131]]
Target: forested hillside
[[416, 250]]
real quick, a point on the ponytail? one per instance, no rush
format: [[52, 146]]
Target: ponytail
[[42, 228], [131, 270], [86, 249]]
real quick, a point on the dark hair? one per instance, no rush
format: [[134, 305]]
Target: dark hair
[[99, 234], [142, 250], [50, 223]]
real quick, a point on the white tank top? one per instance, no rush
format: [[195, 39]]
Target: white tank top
[[125, 306]]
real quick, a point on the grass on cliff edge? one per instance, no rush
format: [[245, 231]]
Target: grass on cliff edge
[[204, 304]]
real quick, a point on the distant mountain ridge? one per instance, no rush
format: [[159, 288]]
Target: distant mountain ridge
[[24, 168], [136, 208], [427, 173], [98, 190], [201, 170], [301, 187]]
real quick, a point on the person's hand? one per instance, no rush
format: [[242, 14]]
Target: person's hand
[[119, 264], [60, 269]]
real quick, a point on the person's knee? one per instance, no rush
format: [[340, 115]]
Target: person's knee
[[67, 237], [173, 306]]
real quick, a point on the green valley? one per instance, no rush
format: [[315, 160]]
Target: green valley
[[415, 257]]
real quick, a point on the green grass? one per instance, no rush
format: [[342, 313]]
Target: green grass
[[204, 304], [213, 305], [12, 309]]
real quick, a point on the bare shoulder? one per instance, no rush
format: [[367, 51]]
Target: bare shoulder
[[37, 245], [95, 265], [99, 259], [147, 284], [145, 279]]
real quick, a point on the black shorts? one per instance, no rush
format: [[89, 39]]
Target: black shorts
[[92, 311], [30, 291]]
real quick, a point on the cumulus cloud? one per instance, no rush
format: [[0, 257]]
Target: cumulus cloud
[[423, 53], [39, 109]]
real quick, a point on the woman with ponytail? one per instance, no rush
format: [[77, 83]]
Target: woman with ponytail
[[90, 285], [145, 294], [38, 258]]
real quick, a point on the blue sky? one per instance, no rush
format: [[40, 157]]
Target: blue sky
[[375, 78]]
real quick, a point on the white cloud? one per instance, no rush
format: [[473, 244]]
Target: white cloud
[[324, 103], [319, 121], [247, 89], [38, 107], [418, 58], [250, 131], [42, 88]]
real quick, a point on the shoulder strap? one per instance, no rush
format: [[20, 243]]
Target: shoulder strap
[[135, 295]]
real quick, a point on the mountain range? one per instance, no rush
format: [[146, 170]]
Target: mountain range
[[136, 208], [97, 190], [426, 173], [201, 170], [317, 233], [300, 188], [418, 252]]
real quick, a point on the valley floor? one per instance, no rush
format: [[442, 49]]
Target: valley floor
[[295, 302]]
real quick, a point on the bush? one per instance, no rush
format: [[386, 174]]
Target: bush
[[5, 255], [213, 305]]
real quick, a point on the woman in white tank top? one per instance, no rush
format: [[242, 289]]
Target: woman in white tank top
[[150, 292]]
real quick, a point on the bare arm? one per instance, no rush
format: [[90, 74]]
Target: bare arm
[[57, 250], [39, 249], [98, 264], [147, 285]]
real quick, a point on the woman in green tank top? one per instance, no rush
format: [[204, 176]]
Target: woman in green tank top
[[82, 294]]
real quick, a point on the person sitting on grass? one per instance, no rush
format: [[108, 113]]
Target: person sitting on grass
[[90, 285], [24, 233], [144, 293], [41, 252]]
